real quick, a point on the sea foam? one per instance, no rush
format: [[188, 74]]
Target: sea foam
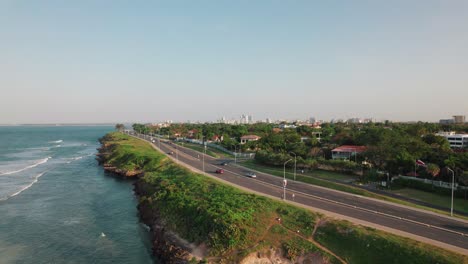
[[56, 141], [39, 162], [36, 178]]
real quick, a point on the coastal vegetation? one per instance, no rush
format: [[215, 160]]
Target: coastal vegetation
[[224, 224]]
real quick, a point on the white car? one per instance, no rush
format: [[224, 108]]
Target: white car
[[251, 174]]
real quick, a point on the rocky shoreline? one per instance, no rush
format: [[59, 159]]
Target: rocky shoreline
[[166, 245]]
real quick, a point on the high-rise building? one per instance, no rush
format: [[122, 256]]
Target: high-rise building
[[250, 119], [459, 119], [312, 120]]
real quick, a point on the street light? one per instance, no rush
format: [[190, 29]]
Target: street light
[[284, 179], [204, 151], [453, 181], [235, 154], [294, 164]]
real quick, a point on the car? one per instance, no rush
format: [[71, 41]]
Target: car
[[171, 153], [224, 163], [220, 171], [251, 174]]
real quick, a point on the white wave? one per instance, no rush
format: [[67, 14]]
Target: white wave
[[38, 148], [29, 185], [56, 141], [72, 221], [39, 162]]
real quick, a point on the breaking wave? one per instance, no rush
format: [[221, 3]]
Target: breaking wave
[[39, 162], [56, 141], [29, 185]]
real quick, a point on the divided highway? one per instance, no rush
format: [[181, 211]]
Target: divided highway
[[450, 233]]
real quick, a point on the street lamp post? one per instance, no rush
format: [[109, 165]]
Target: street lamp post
[[284, 179], [235, 154], [294, 165], [453, 183], [177, 152], [204, 151], [388, 183]]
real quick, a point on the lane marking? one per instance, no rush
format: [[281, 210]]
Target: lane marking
[[320, 198]]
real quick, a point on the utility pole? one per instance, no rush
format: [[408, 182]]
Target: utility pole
[[284, 179], [453, 183]]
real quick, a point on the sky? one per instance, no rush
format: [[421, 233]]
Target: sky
[[145, 61]]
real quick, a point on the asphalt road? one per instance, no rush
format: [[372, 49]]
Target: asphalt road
[[418, 222]]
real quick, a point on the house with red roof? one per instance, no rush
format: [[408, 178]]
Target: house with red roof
[[347, 152]]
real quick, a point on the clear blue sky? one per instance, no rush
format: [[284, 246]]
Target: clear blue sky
[[126, 61]]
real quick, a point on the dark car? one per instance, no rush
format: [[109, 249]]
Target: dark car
[[224, 163], [171, 153], [220, 171]]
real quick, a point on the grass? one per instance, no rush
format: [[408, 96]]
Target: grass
[[320, 174], [433, 198], [233, 223], [358, 244], [336, 186], [199, 148]]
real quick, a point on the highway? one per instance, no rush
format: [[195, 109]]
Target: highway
[[451, 232]]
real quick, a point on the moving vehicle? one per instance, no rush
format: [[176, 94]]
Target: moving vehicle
[[220, 171], [224, 163], [251, 174]]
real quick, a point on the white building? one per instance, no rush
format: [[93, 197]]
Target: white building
[[455, 140], [248, 138]]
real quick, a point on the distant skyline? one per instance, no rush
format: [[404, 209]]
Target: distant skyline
[[142, 61]]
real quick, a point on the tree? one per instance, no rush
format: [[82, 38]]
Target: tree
[[140, 128], [119, 127], [433, 170], [463, 179]]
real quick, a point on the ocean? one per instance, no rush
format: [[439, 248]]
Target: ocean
[[58, 206]]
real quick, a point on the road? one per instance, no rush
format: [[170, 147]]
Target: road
[[448, 232]]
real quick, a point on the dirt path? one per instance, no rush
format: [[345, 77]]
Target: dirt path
[[336, 215], [317, 244]]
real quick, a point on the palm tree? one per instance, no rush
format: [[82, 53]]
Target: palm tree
[[119, 127], [434, 170]]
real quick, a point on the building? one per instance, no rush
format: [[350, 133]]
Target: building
[[459, 119], [446, 121], [248, 138], [354, 120], [317, 135], [347, 152], [456, 141]]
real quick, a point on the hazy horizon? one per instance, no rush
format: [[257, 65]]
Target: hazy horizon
[[118, 62]]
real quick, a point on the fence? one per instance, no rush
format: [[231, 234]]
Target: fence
[[447, 185], [221, 148]]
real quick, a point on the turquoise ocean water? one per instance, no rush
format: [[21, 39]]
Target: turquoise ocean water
[[58, 206]]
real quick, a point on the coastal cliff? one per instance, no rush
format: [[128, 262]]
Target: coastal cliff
[[188, 234], [194, 219]]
